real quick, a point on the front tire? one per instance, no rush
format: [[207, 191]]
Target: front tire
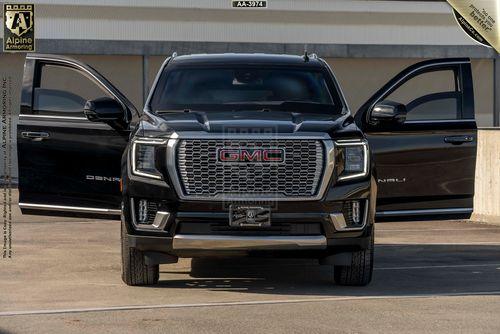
[[360, 272], [135, 271]]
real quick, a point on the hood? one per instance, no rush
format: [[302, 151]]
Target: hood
[[244, 122]]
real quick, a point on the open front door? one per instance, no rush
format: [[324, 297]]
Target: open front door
[[68, 165], [425, 161]]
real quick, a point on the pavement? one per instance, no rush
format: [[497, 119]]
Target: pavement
[[64, 277]]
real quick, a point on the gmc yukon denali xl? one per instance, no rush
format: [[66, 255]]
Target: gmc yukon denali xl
[[246, 155]]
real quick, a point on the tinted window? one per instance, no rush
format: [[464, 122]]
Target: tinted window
[[193, 88], [64, 91], [435, 107], [431, 95]]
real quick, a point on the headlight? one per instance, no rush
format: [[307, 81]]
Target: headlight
[[144, 157], [353, 155]]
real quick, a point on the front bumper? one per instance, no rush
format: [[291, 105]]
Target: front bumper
[[198, 229], [296, 246], [192, 242]]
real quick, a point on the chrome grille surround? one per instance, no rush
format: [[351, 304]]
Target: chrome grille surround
[[209, 180]]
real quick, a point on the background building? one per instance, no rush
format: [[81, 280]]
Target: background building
[[366, 42]]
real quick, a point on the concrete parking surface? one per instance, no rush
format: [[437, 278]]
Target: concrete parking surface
[[64, 277]]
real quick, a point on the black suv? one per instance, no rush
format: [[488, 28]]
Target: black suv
[[245, 154]]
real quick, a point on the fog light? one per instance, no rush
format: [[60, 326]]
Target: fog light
[[143, 211], [148, 215], [353, 216], [356, 215]]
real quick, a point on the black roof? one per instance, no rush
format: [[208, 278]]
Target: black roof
[[246, 59]]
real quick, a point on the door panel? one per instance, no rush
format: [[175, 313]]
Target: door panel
[[418, 169], [425, 166], [67, 164], [77, 165]]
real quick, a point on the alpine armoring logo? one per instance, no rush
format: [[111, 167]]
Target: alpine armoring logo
[[19, 28], [250, 155]]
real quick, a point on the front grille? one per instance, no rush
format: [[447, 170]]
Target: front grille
[[201, 175]]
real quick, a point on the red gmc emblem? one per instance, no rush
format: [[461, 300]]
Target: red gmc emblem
[[250, 155]]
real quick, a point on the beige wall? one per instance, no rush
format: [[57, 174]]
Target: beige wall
[[154, 66], [285, 21], [482, 72], [11, 65], [487, 183]]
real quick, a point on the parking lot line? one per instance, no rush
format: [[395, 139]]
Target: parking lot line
[[440, 229], [475, 243], [441, 266], [243, 303]]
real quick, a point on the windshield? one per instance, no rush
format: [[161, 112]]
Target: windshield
[[241, 88]]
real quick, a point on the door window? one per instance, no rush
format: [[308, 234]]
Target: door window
[[431, 95], [63, 91]]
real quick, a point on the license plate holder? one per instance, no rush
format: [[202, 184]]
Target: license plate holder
[[249, 216]]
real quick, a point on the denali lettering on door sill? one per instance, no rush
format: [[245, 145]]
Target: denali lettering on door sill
[[102, 178]]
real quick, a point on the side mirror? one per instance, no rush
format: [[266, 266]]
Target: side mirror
[[104, 109], [388, 112]]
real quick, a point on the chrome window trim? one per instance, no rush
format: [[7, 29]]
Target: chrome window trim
[[53, 117], [66, 208], [325, 139], [364, 143]]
